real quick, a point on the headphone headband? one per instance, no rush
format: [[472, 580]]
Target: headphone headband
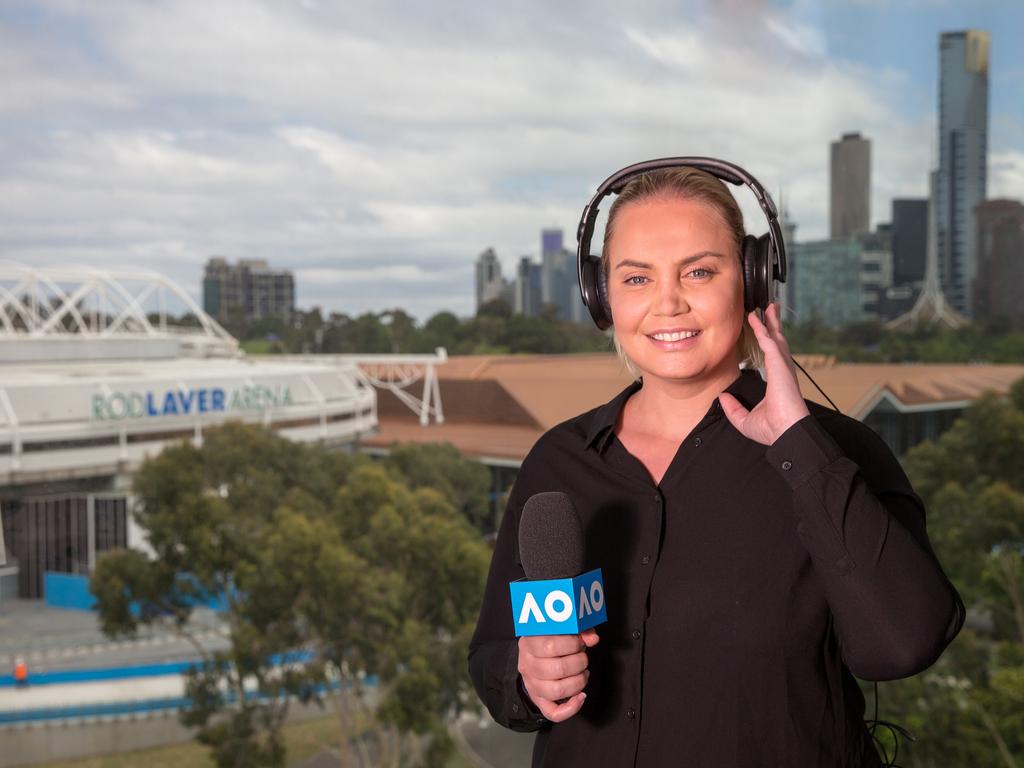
[[615, 183]]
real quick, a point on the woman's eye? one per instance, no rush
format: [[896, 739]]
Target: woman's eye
[[635, 280], [700, 272]]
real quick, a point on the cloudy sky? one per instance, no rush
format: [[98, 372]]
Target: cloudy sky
[[376, 148]]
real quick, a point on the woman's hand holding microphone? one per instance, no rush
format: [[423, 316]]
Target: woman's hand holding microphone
[[554, 672]]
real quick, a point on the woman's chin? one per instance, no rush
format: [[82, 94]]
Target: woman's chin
[[679, 369]]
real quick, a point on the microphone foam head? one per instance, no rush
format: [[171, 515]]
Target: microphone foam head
[[550, 537]]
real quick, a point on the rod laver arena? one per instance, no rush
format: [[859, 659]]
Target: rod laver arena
[[97, 376]]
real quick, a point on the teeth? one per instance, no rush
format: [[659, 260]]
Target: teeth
[[674, 336]]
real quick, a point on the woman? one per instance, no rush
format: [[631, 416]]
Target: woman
[[758, 550]]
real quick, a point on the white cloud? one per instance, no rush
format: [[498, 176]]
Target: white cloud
[[398, 143], [1006, 174]]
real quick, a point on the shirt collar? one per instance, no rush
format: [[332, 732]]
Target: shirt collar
[[748, 387]]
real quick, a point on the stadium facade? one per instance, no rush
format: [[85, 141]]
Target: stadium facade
[[96, 375]]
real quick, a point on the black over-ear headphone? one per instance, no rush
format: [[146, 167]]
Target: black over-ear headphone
[[764, 257]]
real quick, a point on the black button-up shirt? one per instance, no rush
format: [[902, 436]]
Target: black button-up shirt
[[741, 593]]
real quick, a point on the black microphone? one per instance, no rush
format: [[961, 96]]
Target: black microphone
[[550, 537], [556, 598]]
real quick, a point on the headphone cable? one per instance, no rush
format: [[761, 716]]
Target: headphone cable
[[834, 406]]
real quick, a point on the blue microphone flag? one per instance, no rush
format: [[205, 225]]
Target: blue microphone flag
[[558, 606]]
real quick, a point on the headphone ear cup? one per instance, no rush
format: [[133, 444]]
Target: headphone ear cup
[[594, 291], [602, 291], [756, 277]]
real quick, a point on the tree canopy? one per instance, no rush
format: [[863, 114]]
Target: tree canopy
[[331, 568], [969, 708]]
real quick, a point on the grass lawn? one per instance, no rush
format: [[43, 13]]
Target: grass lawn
[[303, 740], [256, 346]]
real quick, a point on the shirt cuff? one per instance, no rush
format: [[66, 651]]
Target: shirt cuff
[[802, 451], [518, 704]]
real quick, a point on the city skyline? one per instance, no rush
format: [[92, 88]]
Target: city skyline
[[157, 136]]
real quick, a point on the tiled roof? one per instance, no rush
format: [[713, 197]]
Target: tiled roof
[[497, 406]]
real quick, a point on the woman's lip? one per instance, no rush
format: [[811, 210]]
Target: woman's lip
[[683, 343], [695, 331]]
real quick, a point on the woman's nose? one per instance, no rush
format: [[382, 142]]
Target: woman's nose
[[670, 299]]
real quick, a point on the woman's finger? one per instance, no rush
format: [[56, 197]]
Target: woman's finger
[[733, 410], [556, 690], [774, 330], [556, 713], [775, 327], [764, 338], [557, 668]]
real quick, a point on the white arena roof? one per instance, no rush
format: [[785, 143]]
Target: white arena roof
[[97, 372], [64, 420]]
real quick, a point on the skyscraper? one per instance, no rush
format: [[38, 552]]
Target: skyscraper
[[963, 148], [250, 290], [550, 259], [558, 278], [488, 277], [528, 287], [827, 282], [909, 240], [850, 212], [999, 285]]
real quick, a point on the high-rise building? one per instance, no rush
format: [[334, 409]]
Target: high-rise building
[[999, 285], [826, 281], [876, 266], [909, 240], [559, 283], [963, 148], [248, 290], [850, 212], [489, 282], [550, 259], [528, 287]]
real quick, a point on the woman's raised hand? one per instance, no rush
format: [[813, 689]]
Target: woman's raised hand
[[783, 405]]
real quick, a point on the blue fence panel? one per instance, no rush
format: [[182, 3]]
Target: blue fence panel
[[133, 707], [68, 590]]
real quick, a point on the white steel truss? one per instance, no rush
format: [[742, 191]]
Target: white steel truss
[[89, 303], [397, 374]]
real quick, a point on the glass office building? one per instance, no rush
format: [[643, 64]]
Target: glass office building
[[963, 148]]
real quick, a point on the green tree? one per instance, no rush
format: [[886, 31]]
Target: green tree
[[329, 569], [969, 708], [440, 466]]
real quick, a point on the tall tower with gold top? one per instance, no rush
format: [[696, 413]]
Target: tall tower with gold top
[[960, 183]]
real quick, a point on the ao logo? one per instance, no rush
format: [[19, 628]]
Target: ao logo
[[547, 607], [558, 606]]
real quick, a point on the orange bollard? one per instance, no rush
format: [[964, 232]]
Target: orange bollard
[[20, 673]]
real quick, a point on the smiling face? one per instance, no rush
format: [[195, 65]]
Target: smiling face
[[675, 289]]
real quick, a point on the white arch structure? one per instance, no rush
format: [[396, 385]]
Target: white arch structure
[[395, 373], [59, 303]]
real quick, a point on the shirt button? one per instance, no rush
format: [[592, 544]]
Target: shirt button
[[696, 441], [630, 713], [657, 499], [636, 634], [515, 707], [645, 559], [787, 464]]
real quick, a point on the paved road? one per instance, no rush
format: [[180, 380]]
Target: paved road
[[53, 638], [497, 747]]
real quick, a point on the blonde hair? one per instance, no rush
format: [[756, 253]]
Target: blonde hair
[[686, 183]]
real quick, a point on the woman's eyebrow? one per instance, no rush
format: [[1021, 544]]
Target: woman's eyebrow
[[688, 260]]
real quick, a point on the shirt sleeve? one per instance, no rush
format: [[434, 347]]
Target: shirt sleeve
[[494, 649], [864, 527]]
